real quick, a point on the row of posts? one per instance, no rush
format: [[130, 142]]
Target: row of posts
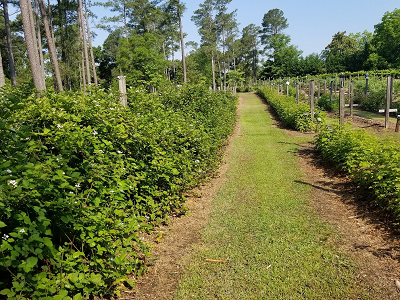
[[342, 105], [389, 97]]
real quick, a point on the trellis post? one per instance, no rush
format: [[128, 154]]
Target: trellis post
[[122, 90]]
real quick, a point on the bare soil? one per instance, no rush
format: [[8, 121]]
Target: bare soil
[[365, 231]]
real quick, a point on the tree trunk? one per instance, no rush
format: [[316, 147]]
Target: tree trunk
[[50, 20], [9, 43], [223, 58], [52, 46], [220, 76], [39, 36], [213, 70], [125, 24], [254, 65], [31, 45], [82, 65], [2, 77], [85, 50], [173, 63], [90, 46], [182, 46]]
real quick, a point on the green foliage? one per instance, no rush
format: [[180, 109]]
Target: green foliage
[[387, 38], [141, 61], [372, 162], [327, 105], [376, 98], [81, 179], [293, 116]]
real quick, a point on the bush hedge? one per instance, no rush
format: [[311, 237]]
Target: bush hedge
[[291, 115], [372, 162], [82, 179]]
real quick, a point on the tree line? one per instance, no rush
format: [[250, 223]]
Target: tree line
[[50, 45]]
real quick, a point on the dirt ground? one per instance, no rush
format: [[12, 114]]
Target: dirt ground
[[364, 229]]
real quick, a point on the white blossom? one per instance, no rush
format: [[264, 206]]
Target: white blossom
[[101, 151], [59, 126], [8, 171], [13, 183], [77, 185], [120, 152], [22, 230], [5, 237], [94, 132]]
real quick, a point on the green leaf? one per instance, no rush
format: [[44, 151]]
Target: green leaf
[[2, 224], [78, 297], [30, 263], [4, 292], [64, 185], [46, 131], [47, 241], [96, 279]]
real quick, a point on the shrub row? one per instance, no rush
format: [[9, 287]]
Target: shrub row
[[372, 162], [291, 115], [82, 179]]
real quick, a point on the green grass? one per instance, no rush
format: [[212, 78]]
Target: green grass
[[261, 222]]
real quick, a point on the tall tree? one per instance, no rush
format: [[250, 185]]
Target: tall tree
[[226, 25], [272, 26], [120, 8], [2, 76], [141, 60], [39, 35], [9, 43], [84, 41], [387, 38], [89, 36], [248, 51], [30, 38], [180, 9], [68, 41], [204, 18], [51, 45], [338, 51]]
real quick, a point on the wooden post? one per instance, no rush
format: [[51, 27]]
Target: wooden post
[[325, 87], [297, 93], [397, 124], [351, 87], [287, 88], [122, 90], [335, 87], [312, 90], [389, 93], [341, 105], [331, 90], [319, 89]]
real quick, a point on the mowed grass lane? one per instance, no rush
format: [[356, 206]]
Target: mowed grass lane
[[262, 224]]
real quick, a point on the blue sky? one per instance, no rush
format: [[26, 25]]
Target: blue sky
[[312, 23]]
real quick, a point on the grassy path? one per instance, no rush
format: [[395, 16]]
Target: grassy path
[[262, 224]]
